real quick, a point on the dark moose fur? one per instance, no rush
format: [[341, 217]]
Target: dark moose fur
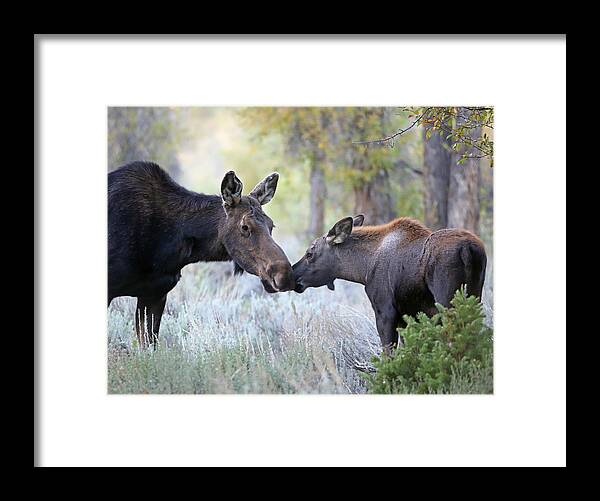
[[156, 227], [404, 266]]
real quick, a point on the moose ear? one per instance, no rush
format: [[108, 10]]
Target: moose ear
[[340, 231], [231, 189], [359, 220], [264, 191]]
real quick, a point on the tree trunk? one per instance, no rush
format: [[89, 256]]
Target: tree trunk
[[372, 195], [463, 192], [374, 200], [437, 161], [318, 194]]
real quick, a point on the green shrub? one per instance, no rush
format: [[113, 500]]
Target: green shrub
[[451, 352]]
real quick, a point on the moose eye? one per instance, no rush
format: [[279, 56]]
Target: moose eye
[[245, 230], [245, 227], [309, 255]]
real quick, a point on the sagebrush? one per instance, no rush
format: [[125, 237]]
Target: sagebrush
[[224, 334]]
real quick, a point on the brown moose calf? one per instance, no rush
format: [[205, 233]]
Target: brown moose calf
[[405, 267]]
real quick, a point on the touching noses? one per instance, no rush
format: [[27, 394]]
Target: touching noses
[[282, 276], [296, 270], [297, 274]]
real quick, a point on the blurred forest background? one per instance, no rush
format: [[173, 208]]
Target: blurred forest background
[[333, 162], [431, 163]]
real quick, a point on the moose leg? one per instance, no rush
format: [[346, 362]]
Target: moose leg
[[387, 325], [401, 325], [147, 319]]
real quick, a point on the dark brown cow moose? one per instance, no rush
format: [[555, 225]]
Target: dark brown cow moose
[[156, 227], [404, 266]]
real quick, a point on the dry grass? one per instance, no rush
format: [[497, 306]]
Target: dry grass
[[224, 334]]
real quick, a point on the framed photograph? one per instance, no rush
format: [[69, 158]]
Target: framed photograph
[[280, 248]]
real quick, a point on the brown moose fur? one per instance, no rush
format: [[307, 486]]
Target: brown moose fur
[[405, 267], [412, 229], [156, 227]]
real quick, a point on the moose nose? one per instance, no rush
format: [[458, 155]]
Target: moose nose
[[283, 277]]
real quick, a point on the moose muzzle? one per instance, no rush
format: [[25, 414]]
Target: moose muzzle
[[281, 278]]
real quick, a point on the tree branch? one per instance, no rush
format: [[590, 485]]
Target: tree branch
[[467, 140], [392, 136]]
